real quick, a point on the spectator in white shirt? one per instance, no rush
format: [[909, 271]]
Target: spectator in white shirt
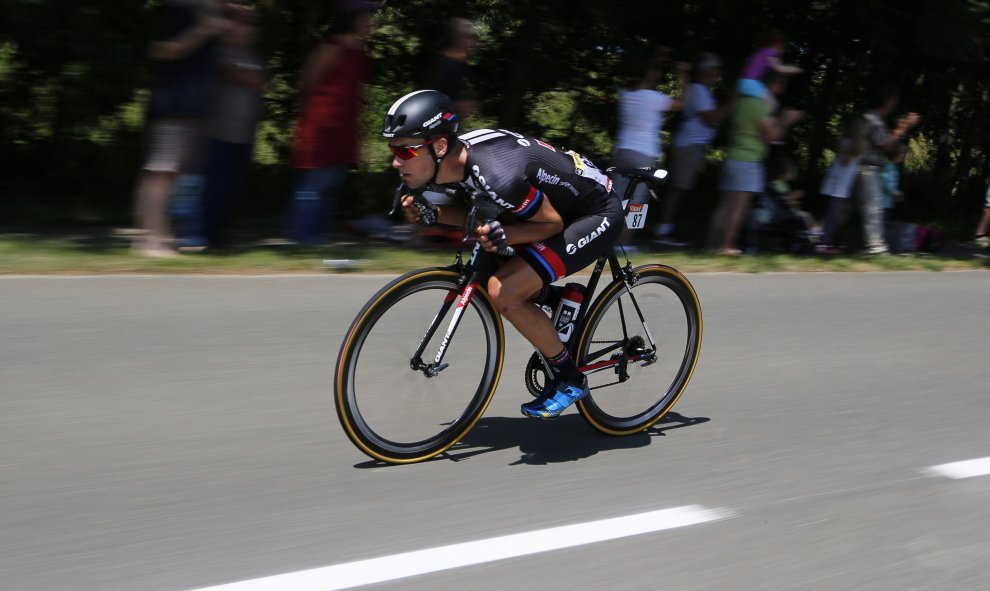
[[700, 117], [641, 113]]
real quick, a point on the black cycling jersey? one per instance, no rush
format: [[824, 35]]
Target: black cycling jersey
[[519, 172]]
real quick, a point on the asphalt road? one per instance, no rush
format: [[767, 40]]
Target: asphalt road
[[174, 433]]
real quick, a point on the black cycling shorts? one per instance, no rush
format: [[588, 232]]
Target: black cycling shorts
[[581, 242]]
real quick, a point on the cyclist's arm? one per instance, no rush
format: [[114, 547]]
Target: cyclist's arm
[[544, 224]]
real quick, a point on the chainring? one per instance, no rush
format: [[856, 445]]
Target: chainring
[[536, 375]]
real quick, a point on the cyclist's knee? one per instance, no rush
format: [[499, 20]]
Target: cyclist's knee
[[505, 294], [497, 289]]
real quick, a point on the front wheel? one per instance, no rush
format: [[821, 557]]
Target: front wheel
[[392, 408], [647, 338]]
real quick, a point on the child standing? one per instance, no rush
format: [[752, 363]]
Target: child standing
[[837, 186]]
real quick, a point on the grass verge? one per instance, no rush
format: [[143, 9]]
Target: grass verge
[[26, 254]]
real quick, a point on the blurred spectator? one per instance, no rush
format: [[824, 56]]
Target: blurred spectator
[[801, 228], [187, 200], [980, 237], [700, 115], [327, 135], [235, 110], [778, 222], [449, 75], [449, 72], [641, 110], [751, 128], [879, 143], [836, 187], [184, 61], [764, 59], [890, 178]]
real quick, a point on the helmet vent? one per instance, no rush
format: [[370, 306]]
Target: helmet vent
[[394, 122]]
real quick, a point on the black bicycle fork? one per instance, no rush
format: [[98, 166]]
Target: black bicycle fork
[[468, 281]]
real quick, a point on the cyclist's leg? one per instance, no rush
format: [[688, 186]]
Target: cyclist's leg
[[522, 278], [581, 243], [511, 288]]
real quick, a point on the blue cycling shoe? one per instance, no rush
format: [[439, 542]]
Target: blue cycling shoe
[[556, 397]]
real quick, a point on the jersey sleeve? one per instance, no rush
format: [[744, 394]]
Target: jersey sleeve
[[530, 203]]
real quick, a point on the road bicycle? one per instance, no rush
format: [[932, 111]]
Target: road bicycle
[[422, 359]]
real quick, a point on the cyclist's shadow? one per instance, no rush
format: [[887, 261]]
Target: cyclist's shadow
[[565, 439]]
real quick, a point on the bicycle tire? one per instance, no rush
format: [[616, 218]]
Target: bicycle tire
[[632, 406], [369, 412]]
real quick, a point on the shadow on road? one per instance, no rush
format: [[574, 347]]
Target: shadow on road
[[566, 439]]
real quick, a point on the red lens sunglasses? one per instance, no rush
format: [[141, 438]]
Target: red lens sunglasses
[[410, 152]]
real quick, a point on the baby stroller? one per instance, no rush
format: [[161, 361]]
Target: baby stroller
[[775, 226]]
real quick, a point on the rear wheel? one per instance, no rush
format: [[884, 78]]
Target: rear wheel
[[653, 330], [400, 414]]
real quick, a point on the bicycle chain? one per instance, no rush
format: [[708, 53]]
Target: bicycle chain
[[604, 385], [610, 383]]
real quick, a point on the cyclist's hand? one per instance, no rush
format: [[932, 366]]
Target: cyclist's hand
[[408, 210], [420, 210], [492, 236]]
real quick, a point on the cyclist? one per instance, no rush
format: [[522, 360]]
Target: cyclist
[[558, 212]]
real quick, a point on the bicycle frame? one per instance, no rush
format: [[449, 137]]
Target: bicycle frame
[[476, 270]]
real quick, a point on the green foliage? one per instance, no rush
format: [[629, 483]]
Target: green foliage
[[73, 80]]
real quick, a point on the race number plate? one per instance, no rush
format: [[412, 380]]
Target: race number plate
[[636, 216]]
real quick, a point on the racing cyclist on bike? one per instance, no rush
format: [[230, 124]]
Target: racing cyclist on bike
[[559, 213]]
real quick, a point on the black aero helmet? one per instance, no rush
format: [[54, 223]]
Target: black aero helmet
[[423, 113]]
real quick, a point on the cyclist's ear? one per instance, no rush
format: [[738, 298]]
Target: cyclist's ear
[[441, 146]]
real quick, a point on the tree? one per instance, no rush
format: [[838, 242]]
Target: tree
[[72, 77]]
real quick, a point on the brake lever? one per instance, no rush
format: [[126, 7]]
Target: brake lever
[[397, 202], [489, 212], [470, 221]]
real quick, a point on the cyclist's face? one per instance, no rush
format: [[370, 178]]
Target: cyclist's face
[[412, 158]]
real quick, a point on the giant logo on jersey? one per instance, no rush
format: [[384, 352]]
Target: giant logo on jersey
[[480, 179], [573, 248]]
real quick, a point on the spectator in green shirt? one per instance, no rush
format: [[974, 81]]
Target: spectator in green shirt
[[752, 127]]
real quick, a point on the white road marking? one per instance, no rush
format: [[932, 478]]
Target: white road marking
[[408, 564], [960, 470]]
